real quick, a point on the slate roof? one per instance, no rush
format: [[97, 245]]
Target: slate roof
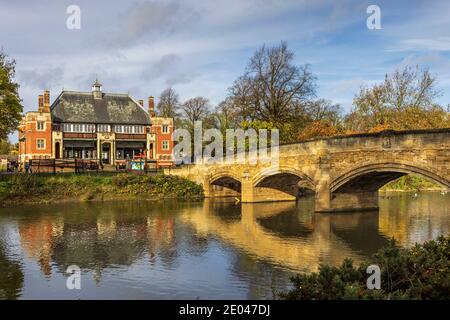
[[112, 108]]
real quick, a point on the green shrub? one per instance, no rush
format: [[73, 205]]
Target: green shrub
[[87, 186], [22, 184], [4, 188], [421, 272], [176, 185], [411, 183]]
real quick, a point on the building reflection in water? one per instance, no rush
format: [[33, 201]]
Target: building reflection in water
[[37, 239], [267, 237], [95, 236]]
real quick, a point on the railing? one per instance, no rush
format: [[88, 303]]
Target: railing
[[83, 165], [52, 165]]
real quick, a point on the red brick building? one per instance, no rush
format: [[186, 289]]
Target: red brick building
[[108, 127]]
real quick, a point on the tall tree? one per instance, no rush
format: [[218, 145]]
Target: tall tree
[[323, 119], [325, 111], [225, 116], [10, 103], [404, 100], [195, 109], [168, 104], [273, 88], [5, 147]]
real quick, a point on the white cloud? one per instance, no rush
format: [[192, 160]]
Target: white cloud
[[427, 44], [201, 46]]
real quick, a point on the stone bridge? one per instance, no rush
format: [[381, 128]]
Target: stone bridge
[[344, 172]]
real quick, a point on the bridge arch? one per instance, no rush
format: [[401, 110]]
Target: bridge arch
[[223, 183], [357, 188], [380, 174], [270, 172], [281, 183]]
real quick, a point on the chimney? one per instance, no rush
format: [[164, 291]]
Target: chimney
[[40, 103], [151, 106], [46, 107], [141, 103]]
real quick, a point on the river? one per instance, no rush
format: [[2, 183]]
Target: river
[[213, 249]]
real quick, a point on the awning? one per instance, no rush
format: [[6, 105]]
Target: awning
[[130, 144]]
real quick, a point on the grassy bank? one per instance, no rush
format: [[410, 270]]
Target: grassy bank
[[420, 272], [411, 183], [19, 189]]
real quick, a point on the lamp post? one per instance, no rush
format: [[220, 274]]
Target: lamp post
[[23, 139]]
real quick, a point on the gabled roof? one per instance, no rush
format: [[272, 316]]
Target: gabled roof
[[81, 107]]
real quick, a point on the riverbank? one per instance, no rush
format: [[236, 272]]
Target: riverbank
[[411, 183], [39, 189]]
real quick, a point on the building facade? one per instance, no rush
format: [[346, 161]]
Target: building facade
[[109, 127]]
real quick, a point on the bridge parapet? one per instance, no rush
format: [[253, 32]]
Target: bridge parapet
[[345, 172]]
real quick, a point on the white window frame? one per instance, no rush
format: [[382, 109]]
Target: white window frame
[[90, 128], [67, 127], [118, 128], [43, 144], [37, 125], [138, 129], [165, 145], [129, 129], [165, 128], [102, 127]]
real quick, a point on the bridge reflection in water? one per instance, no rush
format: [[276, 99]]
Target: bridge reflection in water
[[189, 249], [287, 234]]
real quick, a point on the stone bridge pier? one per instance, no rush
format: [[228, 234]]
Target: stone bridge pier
[[344, 173]]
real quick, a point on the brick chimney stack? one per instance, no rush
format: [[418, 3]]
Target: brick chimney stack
[[151, 106], [46, 107], [40, 103]]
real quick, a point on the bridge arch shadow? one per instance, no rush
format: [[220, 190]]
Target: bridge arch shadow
[[223, 184], [358, 187], [281, 184]]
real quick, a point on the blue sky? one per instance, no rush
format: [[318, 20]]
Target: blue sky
[[200, 47]]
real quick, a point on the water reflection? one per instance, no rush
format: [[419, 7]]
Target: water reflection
[[11, 274], [410, 219], [288, 234], [210, 249]]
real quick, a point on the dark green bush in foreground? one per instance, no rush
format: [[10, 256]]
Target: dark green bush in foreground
[[420, 272]]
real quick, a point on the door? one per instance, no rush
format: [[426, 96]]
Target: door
[[57, 150], [106, 153]]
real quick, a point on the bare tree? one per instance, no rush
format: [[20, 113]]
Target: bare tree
[[225, 116], [195, 109], [168, 104], [273, 88], [325, 111]]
